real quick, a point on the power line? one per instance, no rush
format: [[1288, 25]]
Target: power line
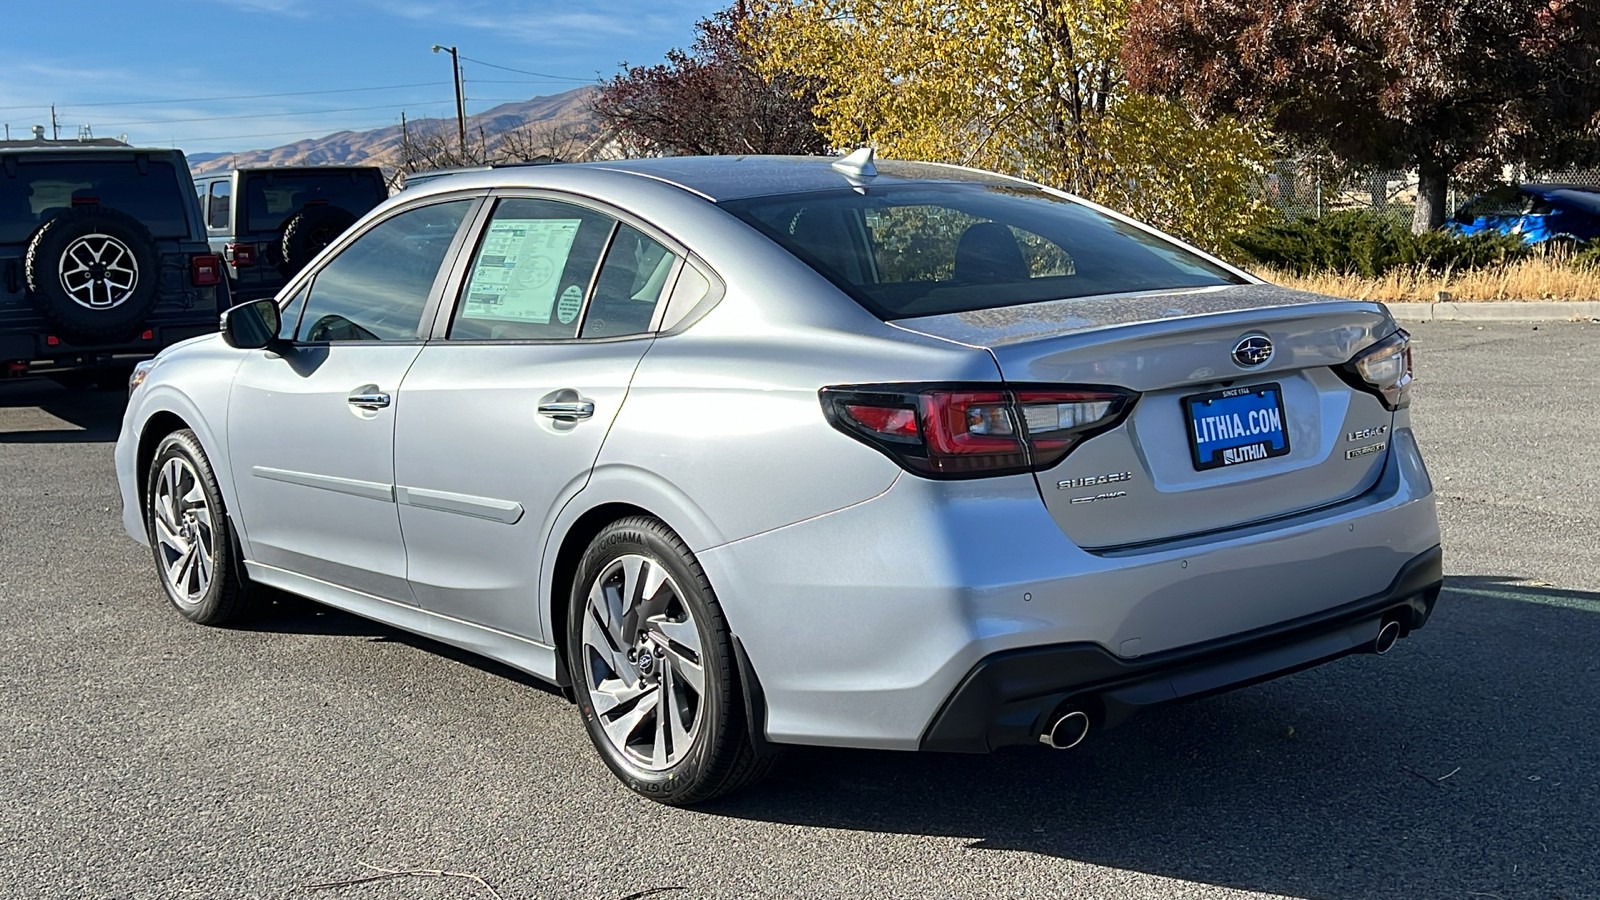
[[523, 81], [390, 87], [240, 137], [230, 137], [526, 72], [313, 112]]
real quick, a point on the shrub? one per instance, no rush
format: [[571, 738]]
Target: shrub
[[1355, 242]]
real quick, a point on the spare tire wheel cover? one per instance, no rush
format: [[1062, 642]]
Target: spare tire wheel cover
[[98, 271], [308, 231]]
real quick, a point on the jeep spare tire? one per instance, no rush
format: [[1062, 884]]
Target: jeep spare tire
[[94, 273], [308, 231]]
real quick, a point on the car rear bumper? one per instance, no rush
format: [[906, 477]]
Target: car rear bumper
[[862, 625], [43, 357], [1013, 697]]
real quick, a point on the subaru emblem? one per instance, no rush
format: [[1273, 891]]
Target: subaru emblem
[[1252, 351]]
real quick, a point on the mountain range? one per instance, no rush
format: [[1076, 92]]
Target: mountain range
[[551, 119]]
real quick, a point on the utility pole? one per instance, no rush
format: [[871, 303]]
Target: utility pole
[[461, 103], [55, 127], [405, 143]]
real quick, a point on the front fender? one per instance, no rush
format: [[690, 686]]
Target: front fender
[[191, 385]]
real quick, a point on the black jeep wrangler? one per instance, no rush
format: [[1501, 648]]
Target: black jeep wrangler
[[103, 258], [268, 222]]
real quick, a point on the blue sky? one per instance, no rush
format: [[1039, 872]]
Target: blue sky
[[347, 63]]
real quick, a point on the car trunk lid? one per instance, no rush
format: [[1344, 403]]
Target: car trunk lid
[[1179, 465]]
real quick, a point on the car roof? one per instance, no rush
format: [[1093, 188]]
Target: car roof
[[720, 178], [1545, 187], [1582, 196], [335, 167], [85, 149]]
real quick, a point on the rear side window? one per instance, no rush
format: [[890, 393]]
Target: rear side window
[[376, 288], [219, 204], [921, 250], [631, 282], [531, 272], [41, 189], [271, 198]]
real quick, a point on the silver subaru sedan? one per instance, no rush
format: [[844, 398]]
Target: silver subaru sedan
[[747, 452]]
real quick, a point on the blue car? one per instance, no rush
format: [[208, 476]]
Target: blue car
[[1534, 212]]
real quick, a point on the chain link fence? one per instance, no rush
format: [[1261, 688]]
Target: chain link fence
[[1309, 187]]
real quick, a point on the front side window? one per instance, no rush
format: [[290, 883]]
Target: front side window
[[376, 288], [921, 250], [532, 271], [289, 315]]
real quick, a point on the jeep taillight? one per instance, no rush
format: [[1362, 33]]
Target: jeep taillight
[[243, 256], [205, 270], [972, 431]]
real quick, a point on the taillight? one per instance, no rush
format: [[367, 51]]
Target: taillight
[[971, 431], [243, 256], [205, 270], [1384, 369]]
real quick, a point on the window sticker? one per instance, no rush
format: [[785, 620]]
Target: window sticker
[[519, 269], [571, 303]]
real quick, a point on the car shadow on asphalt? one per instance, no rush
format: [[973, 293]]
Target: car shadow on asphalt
[[1463, 763], [95, 414], [285, 613]]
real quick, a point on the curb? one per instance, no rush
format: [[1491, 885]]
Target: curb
[[1498, 311]]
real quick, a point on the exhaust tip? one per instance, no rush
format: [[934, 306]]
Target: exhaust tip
[[1067, 732], [1387, 635]]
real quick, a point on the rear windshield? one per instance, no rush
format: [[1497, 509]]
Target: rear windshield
[[41, 189], [924, 250], [271, 198]]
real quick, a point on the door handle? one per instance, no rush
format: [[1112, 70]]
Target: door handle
[[581, 409], [369, 401]]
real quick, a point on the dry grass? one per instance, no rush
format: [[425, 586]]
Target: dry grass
[[1540, 278]]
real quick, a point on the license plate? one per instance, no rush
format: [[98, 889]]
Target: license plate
[[1238, 425]]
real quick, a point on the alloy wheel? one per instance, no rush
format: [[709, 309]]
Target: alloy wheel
[[98, 271], [185, 538], [642, 663]]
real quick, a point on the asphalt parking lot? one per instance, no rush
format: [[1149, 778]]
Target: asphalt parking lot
[[141, 757]]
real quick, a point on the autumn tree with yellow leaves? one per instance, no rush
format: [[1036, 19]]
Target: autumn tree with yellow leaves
[[1029, 87]]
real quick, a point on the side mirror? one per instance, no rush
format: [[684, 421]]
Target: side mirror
[[253, 325]]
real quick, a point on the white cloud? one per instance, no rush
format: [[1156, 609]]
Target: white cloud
[[553, 24], [296, 8]]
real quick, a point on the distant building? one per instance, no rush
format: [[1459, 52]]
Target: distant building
[[39, 140]]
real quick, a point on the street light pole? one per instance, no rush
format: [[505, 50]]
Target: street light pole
[[461, 103]]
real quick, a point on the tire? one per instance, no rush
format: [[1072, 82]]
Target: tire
[[94, 273], [308, 231], [629, 661], [184, 509]]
